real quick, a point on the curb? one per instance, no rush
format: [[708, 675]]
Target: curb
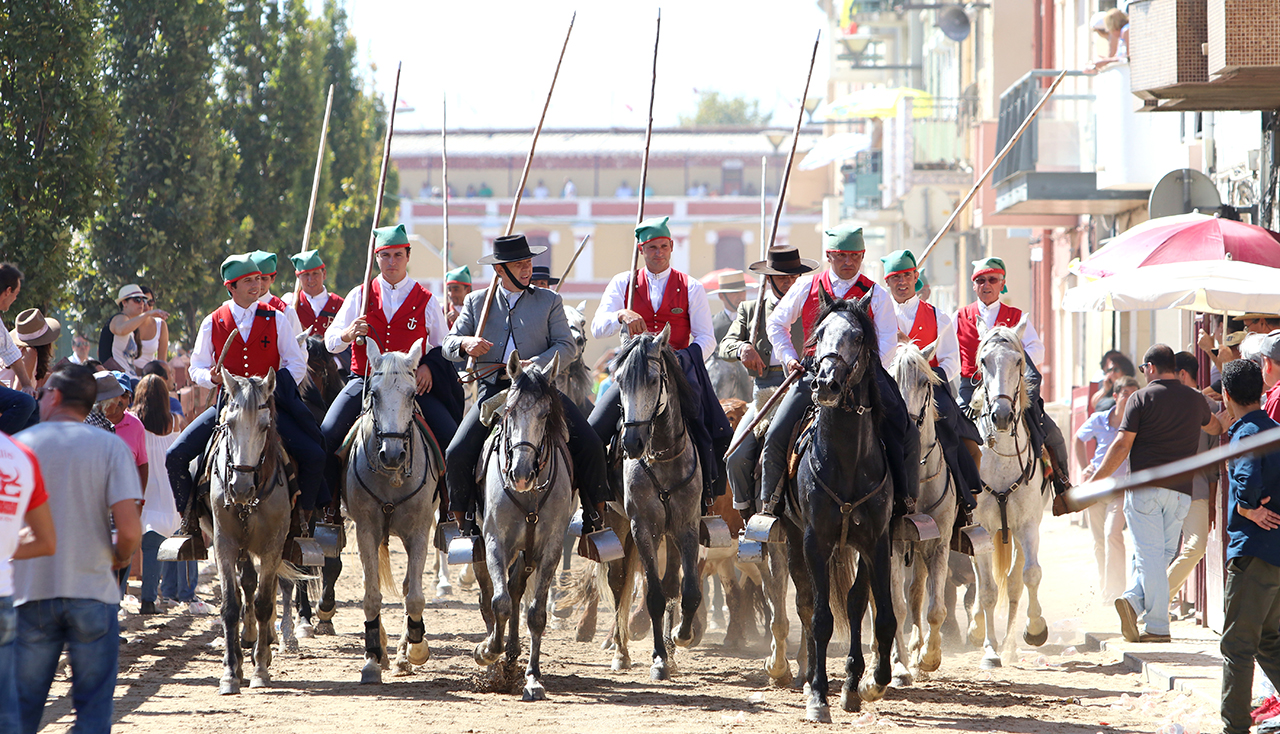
[[1158, 675]]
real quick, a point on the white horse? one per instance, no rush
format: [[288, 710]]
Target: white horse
[[1012, 501], [917, 382]]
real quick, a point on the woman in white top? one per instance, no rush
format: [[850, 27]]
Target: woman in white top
[[139, 332], [160, 517]]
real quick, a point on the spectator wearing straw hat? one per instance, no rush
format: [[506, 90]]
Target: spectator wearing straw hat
[[34, 335], [17, 407], [135, 328]]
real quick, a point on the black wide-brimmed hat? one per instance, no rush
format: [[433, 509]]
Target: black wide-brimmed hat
[[784, 260], [543, 272], [511, 249]]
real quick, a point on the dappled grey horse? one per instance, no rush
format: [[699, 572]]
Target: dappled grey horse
[[390, 490], [249, 498], [574, 378], [528, 502]]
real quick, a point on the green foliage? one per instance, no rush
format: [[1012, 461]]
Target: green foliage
[[715, 110], [56, 133]]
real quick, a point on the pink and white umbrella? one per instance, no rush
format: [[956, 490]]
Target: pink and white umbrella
[[1183, 238]]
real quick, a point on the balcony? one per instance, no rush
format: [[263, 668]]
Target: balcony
[[862, 181], [1205, 54]]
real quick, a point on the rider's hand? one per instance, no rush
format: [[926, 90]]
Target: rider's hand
[[423, 376], [476, 346], [751, 359], [215, 376], [632, 320], [357, 328], [793, 365]]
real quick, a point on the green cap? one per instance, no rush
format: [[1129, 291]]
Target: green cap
[[458, 275], [900, 261], [989, 265], [305, 262], [922, 281], [845, 238], [238, 266], [385, 238], [266, 261], [652, 229]]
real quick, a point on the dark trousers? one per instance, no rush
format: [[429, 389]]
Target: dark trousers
[[742, 463], [1044, 431], [463, 455], [346, 408], [952, 425], [17, 411], [898, 433], [1251, 631], [298, 432]]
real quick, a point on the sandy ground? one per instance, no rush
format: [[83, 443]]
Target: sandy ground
[[170, 668]]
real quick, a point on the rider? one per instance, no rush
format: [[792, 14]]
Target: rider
[[542, 277], [844, 252], [665, 296], [457, 284], [266, 262], [988, 284], [263, 340], [400, 313], [531, 320], [922, 324], [317, 307], [781, 269]]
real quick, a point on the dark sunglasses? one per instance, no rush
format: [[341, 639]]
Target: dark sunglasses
[[138, 299], [983, 281]]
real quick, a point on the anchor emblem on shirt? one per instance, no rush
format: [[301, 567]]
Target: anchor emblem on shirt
[[413, 324]]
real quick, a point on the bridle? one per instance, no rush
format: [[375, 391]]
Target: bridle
[[260, 488], [674, 450], [1027, 467], [541, 455], [847, 384], [405, 470]]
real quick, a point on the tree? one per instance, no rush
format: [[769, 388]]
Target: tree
[[56, 133], [171, 223], [715, 110]]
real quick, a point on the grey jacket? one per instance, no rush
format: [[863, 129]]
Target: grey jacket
[[537, 324]]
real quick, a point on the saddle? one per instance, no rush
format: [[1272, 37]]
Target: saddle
[[801, 439]]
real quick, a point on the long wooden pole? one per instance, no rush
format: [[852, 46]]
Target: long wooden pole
[[315, 187], [946, 227], [444, 167], [763, 412], [569, 268], [524, 178], [644, 166], [758, 320], [377, 205]]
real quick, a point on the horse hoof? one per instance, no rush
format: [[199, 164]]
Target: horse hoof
[[990, 662], [403, 667], [818, 712], [901, 680], [1036, 640], [533, 691], [291, 645], [483, 657], [419, 653], [659, 671], [869, 690], [371, 673], [325, 627], [781, 681], [305, 631], [444, 590], [260, 681], [683, 640], [850, 702], [229, 687], [621, 664], [247, 644]]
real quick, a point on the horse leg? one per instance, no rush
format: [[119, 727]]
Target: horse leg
[[288, 639], [413, 648], [901, 650], [369, 545], [804, 606], [1013, 589], [229, 577], [265, 610], [518, 581], [816, 556], [328, 598], [622, 574], [302, 604], [655, 600], [985, 612], [935, 588], [443, 587], [774, 581], [490, 649], [691, 591], [248, 585], [885, 624], [537, 621], [1037, 630], [855, 602]]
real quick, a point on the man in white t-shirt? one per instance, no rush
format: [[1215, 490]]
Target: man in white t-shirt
[[26, 531]]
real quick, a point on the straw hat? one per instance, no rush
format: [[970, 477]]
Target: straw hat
[[32, 329]]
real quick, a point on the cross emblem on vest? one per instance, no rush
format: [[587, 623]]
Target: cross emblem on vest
[[413, 324], [266, 341]]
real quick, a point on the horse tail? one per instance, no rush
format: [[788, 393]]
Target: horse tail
[[841, 574], [385, 579], [1002, 561], [289, 572]]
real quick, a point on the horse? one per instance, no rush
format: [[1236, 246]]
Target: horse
[[390, 490], [528, 502], [249, 499], [729, 380], [840, 506], [574, 378], [662, 495], [1012, 517], [930, 559]]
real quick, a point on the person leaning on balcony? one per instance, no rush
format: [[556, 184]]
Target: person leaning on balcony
[[1113, 26]]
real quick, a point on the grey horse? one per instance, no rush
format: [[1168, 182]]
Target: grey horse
[[390, 490], [249, 497], [728, 379], [528, 502], [663, 487], [574, 379]]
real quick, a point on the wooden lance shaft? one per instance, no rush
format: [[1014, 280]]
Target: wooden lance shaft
[[377, 206], [315, 187], [444, 168], [946, 227], [565, 275], [644, 168], [760, 414], [515, 206]]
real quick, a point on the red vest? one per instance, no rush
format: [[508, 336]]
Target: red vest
[[674, 310], [407, 326], [308, 317], [967, 333], [924, 330], [813, 303], [259, 354]]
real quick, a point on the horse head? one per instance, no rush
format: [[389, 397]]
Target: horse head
[[322, 371], [248, 420], [533, 423], [393, 384], [916, 380], [577, 327], [1002, 362], [844, 346], [652, 386]]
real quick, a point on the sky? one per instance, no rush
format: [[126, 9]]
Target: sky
[[493, 60]]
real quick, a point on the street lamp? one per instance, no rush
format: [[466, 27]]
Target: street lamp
[[810, 106], [776, 137], [854, 45]]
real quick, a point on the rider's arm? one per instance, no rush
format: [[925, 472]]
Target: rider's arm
[[778, 325], [346, 316], [886, 318], [1032, 345], [463, 327], [558, 333], [948, 349], [614, 299], [437, 327], [292, 355], [737, 335], [291, 315], [701, 331], [202, 356]]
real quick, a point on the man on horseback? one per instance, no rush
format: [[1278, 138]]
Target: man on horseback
[[988, 284], [844, 251], [266, 262], [922, 325], [665, 296], [316, 307], [457, 284], [783, 266], [530, 320], [400, 313], [543, 278], [261, 340]]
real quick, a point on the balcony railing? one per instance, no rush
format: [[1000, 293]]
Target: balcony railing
[[862, 182], [1061, 138]]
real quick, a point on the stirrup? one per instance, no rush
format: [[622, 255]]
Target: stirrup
[[601, 546], [713, 532], [916, 528], [763, 527], [183, 548]]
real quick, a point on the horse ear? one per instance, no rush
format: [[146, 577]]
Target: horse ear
[[1021, 328], [514, 367], [373, 352], [302, 336], [269, 382], [930, 350], [824, 299], [865, 301], [664, 338], [553, 369], [228, 380], [981, 323], [415, 353], [582, 306]]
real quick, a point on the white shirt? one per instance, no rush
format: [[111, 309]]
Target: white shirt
[[290, 314], [393, 297], [1030, 339], [701, 332], [318, 302], [792, 304], [292, 356], [948, 348], [9, 352]]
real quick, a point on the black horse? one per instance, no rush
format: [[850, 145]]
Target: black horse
[[839, 505]]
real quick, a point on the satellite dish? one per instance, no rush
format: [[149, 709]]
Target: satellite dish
[[954, 22], [1181, 192]]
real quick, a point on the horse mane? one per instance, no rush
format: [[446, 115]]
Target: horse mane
[[272, 445], [630, 369], [868, 352], [537, 383], [911, 357], [1005, 335], [321, 370]]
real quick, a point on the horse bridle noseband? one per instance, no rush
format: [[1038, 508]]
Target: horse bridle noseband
[[677, 444], [261, 489], [846, 386], [389, 508]]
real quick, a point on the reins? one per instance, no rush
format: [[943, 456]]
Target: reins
[[661, 407], [406, 470]]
